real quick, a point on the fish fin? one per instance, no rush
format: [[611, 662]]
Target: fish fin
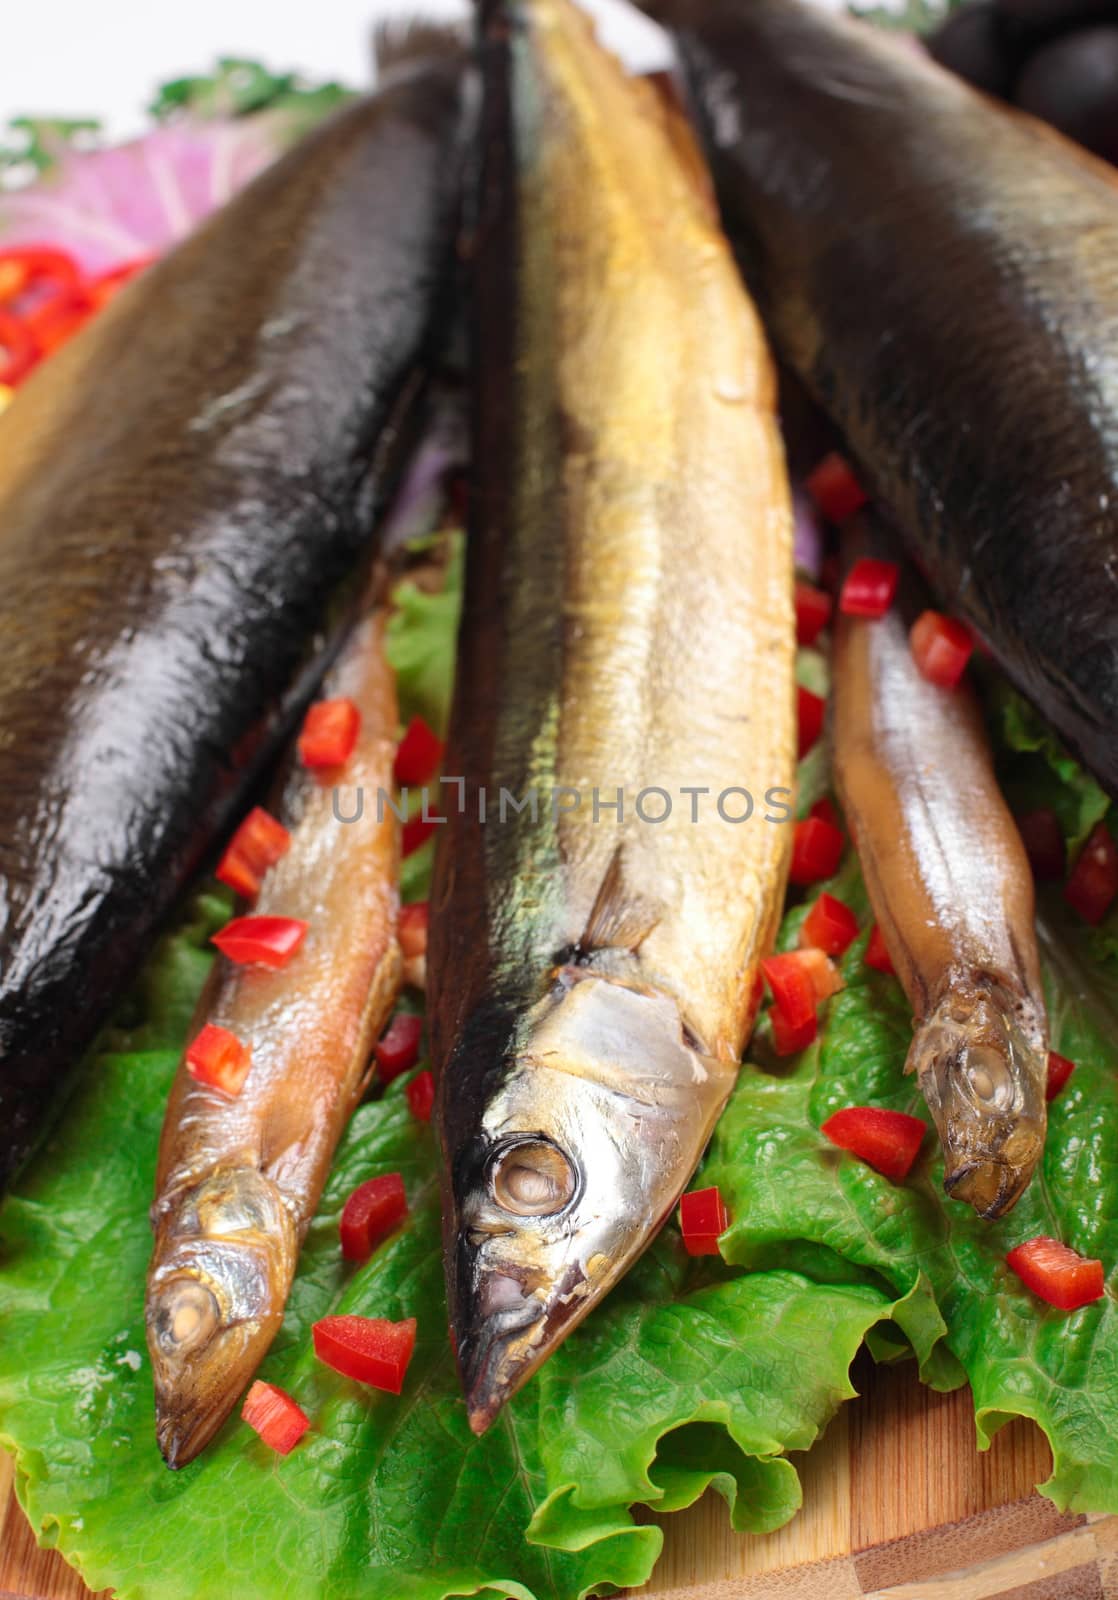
[[618, 920], [408, 41]]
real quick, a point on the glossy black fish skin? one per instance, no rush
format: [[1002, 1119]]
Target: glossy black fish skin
[[943, 274], [187, 497]]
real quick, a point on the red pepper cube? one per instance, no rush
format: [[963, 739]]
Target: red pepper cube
[[257, 845], [219, 1059], [877, 956], [825, 810], [789, 981], [263, 941], [370, 1214], [829, 926], [702, 1217], [1094, 879], [870, 588], [275, 1417], [397, 1049], [371, 1350], [813, 612], [18, 349], [420, 1094], [887, 1141], [816, 851], [329, 733], [411, 929], [416, 832], [789, 1038], [1056, 1273], [835, 489], [811, 711], [941, 648], [1043, 839], [1060, 1070], [418, 754]]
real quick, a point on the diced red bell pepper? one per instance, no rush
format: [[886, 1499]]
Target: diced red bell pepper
[[420, 1094], [813, 612], [1043, 839], [265, 941], [370, 1349], [397, 1049], [941, 648], [835, 489], [329, 733], [218, 1058], [1060, 1070], [811, 711], [825, 810], [258, 844], [830, 926], [18, 350], [1056, 1273], [870, 588], [1094, 878], [789, 981], [370, 1214], [419, 753], [25, 268], [816, 851], [887, 1141], [702, 1217], [791, 1037], [411, 929], [416, 831], [275, 1417], [877, 956]]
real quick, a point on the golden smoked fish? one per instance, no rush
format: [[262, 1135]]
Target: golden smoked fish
[[239, 1178], [952, 892], [626, 652]]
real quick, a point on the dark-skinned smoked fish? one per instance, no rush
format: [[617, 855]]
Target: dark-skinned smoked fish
[[185, 492], [952, 892], [627, 624], [943, 274], [239, 1178]]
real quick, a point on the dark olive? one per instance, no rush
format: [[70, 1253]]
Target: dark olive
[[971, 44], [1031, 20], [1073, 84]]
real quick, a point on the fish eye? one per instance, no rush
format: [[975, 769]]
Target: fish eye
[[532, 1179]]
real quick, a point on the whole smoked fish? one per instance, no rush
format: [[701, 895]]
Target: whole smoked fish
[[185, 492], [943, 275], [239, 1178], [952, 891], [627, 626]]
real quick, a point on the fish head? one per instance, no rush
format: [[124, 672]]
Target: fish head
[[224, 1254], [573, 1158], [982, 1068]]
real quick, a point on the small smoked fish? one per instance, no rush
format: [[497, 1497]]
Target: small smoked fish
[[187, 497], [239, 1179], [952, 892], [627, 627], [943, 275]]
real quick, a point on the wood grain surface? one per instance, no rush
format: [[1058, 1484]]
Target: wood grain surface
[[898, 1505]]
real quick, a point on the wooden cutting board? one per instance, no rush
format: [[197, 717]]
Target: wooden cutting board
[[898, 1503]]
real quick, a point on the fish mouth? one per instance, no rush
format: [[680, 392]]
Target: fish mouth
[[497, 1354], [991, 1187]]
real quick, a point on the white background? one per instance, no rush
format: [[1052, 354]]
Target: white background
[[105, 58]]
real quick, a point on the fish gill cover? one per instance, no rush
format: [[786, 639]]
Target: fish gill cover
[[709, 1372]]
